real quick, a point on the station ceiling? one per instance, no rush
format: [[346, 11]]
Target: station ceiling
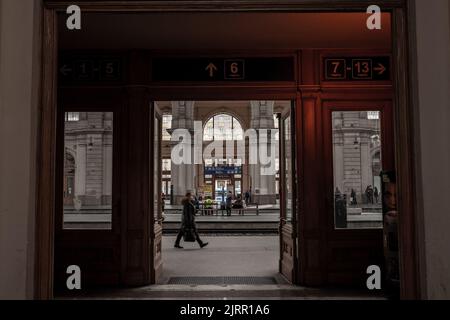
[[224, 31]]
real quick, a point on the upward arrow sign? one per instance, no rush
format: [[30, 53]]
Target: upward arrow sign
[[211, 68]]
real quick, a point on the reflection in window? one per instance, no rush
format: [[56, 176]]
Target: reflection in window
[[357, 167], [72, 116], [88, 170], [222, 127], [157, 205], [166, 164], [275, 123], [166, 125], [288, 168]]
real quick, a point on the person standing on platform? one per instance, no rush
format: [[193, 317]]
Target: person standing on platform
[[208, 206], [239, 204], [188, 221], [229, 203], [163, 199], [376, 194], [353, 200], [247, 197]]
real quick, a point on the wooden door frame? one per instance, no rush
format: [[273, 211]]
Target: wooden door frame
[[403, 118], [290, 230], [155, 222]]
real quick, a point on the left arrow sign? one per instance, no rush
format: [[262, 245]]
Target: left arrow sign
[[65, 70], [211, 68]]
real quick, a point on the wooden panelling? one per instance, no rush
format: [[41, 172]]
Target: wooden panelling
[[157, 263], [311, 235], [223, 5], [312, 248], [137, 226], [287, 259], [404, 154], [46, 166]]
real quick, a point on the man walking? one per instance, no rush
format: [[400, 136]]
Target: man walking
[[188, 221]]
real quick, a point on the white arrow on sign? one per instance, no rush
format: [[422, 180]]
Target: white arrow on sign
[[65, 70], [381, 69], [211, 68]]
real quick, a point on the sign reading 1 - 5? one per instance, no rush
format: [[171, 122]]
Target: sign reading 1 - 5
[[89, 68]]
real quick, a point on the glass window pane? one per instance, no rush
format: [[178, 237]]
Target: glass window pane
[[238, 133], [223, 127], [166, 164], [88, 171], [288, 168], [237, 188], [166, 124], [208, 133], [357, 168], [157, 197], [72, 116]]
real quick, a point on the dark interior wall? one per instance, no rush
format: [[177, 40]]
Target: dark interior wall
[[219, 31]]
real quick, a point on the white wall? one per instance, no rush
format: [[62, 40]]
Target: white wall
[[433, 140], [19, 77]]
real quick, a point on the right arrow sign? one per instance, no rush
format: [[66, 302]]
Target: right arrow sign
[[380, 69], [357, 68]]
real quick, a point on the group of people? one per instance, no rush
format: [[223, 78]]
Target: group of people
[[371, 195], [230, 202], [238, 203]]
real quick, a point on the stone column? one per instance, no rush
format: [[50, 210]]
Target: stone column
[[108, 140], [80, 169], [338, 158], [263, 185], [366, 163], [183, 175]]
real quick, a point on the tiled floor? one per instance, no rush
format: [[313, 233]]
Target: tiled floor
[[225, 256], [255, 256]]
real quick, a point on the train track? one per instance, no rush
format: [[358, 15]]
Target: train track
[[227, 227]]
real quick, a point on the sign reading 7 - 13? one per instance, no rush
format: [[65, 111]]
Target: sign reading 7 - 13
[[357, 69]]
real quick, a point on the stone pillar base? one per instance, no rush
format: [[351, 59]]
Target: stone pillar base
[[264, 198]]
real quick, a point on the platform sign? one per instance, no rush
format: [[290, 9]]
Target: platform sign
[[89, 68], [234, 69], [336, 69], [357, 69], [223, 69], [223, 170]]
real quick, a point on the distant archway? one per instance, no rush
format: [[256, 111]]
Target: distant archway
[[222, 126]]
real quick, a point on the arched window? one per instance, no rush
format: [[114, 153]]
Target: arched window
[[222, 127]]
